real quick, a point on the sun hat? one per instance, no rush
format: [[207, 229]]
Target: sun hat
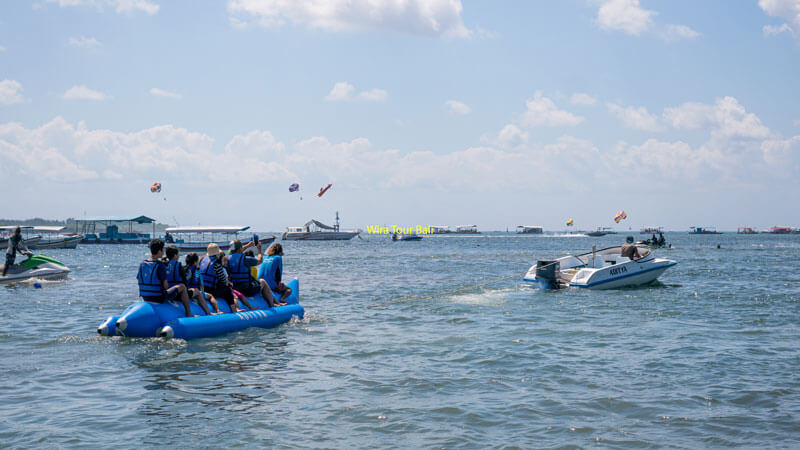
[[213, 249]]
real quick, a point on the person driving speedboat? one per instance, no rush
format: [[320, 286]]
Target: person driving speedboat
[[629, 249]]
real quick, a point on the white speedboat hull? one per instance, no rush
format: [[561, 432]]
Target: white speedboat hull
[[604, 269]]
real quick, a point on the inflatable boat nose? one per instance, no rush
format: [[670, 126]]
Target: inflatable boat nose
[[102, 330], [167, 332]]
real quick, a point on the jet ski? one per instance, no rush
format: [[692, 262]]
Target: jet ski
[[35, 266]]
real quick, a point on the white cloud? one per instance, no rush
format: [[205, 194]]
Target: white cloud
[[774, 30], [162, 93], [10, 92], [456, 107], [374, 95], [624, 15], [84, 93], [511, 136], [580, 98], [120, 6], [542, 112], [788, 10], [343, 91], [83, 42], [422, 17], [726, 118], [678, 32], [636, 118]]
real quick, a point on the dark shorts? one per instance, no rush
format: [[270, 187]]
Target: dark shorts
[[222, 291], [170, 294], [249, 290], [10, 259]]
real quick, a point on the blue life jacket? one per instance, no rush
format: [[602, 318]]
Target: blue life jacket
[[271, 270], [207, 271], [239, 272], [193, 278], [149, 284], [174, 273]]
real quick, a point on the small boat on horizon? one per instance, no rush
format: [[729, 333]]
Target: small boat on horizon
[[406, 237], [601, 231], [704, 230], [746, 230], [530, 229]]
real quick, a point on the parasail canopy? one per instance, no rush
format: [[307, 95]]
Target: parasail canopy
[[294, 187], [620, 216], [156, 187], [324, 190], [570, 222]]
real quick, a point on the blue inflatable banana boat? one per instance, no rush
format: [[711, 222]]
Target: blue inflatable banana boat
[[145, 319]]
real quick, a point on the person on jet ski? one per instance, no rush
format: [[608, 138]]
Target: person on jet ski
[[629, 249], [15, 245], [661, 240]]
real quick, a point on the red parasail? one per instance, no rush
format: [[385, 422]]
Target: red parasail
[[324, 190]]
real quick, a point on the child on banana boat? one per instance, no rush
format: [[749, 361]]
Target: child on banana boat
[[176, 275], [215, 277]]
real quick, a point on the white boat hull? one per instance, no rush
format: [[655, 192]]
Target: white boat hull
[[603, 270], [65, 242], [43, 272], [319, 235]]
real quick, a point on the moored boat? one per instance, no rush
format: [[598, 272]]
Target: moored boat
[[704, 230], [746, 230], [601, 269], [314, 230], [530, 229], [198, 238]]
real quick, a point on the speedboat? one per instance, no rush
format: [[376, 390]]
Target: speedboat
[[599, 269], [406, 237], [36, 266]]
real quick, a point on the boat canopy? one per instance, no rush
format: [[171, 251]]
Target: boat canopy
[[49, 229], [137, 219], [318, 224], [202, 229], [11, 227]]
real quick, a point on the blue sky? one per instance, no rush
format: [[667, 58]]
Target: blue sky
[[419, 111]]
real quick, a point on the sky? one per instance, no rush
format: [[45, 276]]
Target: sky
[[420, 112]]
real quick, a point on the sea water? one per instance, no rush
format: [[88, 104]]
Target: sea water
[[411, 344]]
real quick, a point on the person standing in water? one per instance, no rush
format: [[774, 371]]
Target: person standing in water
[[15, 245]]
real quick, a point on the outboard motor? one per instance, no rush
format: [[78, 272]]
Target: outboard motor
[[547, 274]]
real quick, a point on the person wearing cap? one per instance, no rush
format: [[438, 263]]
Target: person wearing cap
[[629, 249], [215, 278], [239, 266]]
